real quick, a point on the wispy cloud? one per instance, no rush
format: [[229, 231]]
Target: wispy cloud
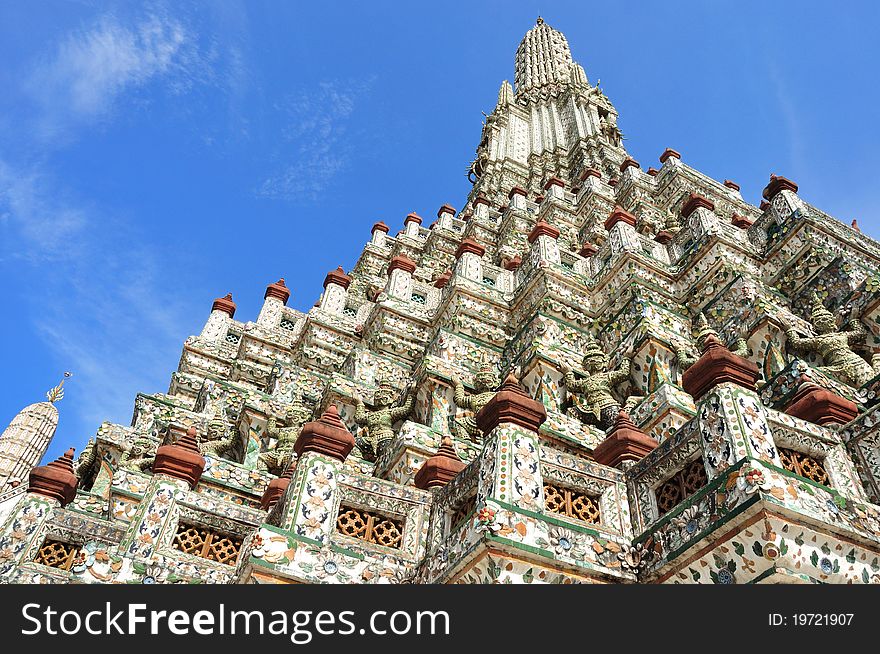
[[316, 147], [84, 77], [103, 305], [37, 226]]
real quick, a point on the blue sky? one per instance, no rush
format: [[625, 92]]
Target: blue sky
[[156, 156]]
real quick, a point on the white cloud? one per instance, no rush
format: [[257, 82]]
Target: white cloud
[[315, 141], [93, 67]]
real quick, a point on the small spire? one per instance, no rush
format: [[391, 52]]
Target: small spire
[[540, 21], [57, 392]]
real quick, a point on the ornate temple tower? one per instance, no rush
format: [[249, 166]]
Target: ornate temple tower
[[26, 439], [592, 373]]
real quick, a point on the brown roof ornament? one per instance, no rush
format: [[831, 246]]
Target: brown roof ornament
[[588, 250], [380, 227], [278, 290], [590, 172], [652, 171], [716, 366], [731, 185], [276, 488], [624, 442], [629, 162], [517, 190], [619, 215], [512, 405], [667, 153], [441, 468], [818, 405], [777, 184], [855, 225], [412, 217], [543, 228], [337, 277], [402, 262], [445, 209], [327, 435], [482, 199], [696, 201], [553, 181], [470, 245], [513, 264], [181, 460], [443, 279], [224, 304], [55, 480], [741, 221]]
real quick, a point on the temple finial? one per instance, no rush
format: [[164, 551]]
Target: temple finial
[[57, 392]]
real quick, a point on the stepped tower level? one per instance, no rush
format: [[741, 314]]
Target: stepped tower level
[[592, 372]]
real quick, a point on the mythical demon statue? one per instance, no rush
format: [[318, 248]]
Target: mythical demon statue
[[282, 455], [598, 405], [687, 355], [486, 382], [140, 455], [380, 421], [219, 440], [86, 460], [834, 346]]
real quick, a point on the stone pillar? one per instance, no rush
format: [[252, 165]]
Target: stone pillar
[[441, 468], [400, 273], [177, 468], [411, 224], [309, 505], [469, 256], [781, 194], [517, 197], [222, 312], [629, 168], [670, 158], [379, 234], [481, 208], [622, 235], [730, 417], [49, 487], [274, 299], [591, 179], [544, 245], [444, 217], [510, 422], [335, 295], [554, 188], [698, 213]]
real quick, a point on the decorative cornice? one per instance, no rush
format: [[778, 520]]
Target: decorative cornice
[[55, 480]]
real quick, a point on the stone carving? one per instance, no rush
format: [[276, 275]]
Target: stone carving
[[380, 420], [140, 454], [220, 439], [598, 406], [834, 345], [486, 382], [282, 455]]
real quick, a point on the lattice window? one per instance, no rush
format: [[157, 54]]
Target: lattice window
[[572, 504], [56, 554], [207, 543], [287, 324], [369, 527], [462, 511], [489, 281], [351, 312], [232, 337], [804, 465], [680, 486], [419, 299]]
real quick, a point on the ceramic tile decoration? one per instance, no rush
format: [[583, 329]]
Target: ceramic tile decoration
[[591, 373]]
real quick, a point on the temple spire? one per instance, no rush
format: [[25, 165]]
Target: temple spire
[[542, 58]]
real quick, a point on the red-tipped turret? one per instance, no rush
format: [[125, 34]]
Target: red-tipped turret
[[327, 435], [441, 468], [181, 460], [224, 304], [511, 404], [278, 290], [55, 480]]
